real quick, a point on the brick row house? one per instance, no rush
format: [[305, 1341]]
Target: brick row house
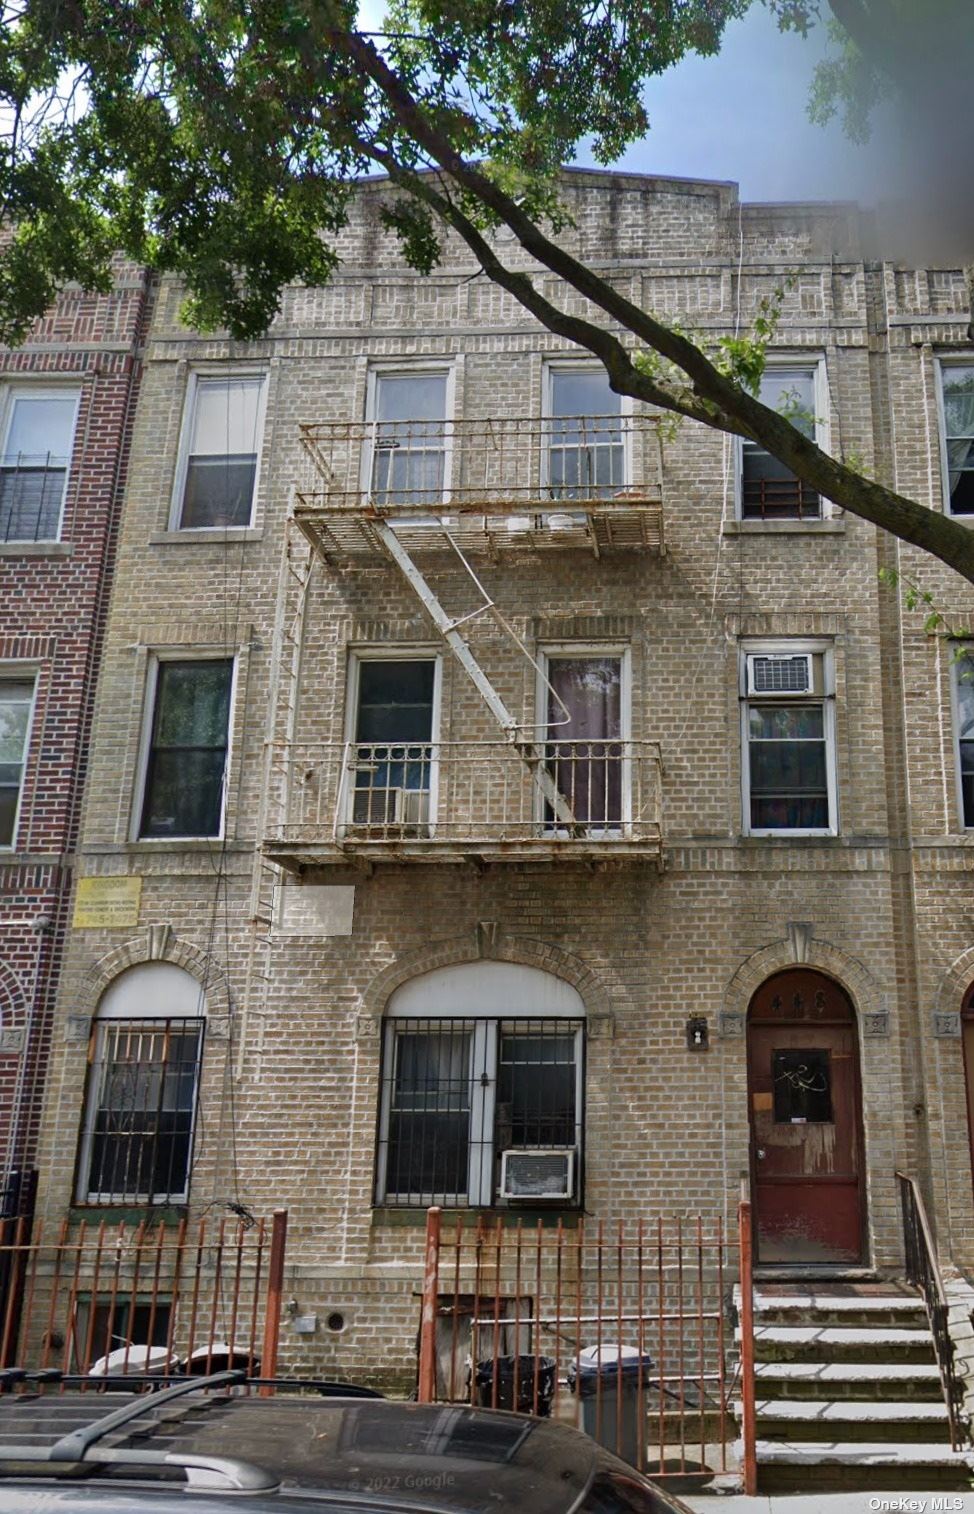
[[581, 826], [66, 407]]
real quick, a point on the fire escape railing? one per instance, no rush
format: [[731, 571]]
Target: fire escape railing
[[924, 1273]]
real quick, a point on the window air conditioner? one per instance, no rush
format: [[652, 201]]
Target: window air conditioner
[[784, 673], [537, 1174], [383, 808]]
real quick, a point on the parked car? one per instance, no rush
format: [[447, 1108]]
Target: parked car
[[67, 1451]]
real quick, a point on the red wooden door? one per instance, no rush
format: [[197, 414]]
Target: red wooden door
[[805, 1110]]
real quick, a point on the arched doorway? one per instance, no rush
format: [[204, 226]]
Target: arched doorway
[[805, 1111]]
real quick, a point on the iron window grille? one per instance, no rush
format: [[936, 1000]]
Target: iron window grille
[[140, 1111], [457, 1093]]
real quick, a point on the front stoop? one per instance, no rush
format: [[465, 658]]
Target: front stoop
[[848, 1393]]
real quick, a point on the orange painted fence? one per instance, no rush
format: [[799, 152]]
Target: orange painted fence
[[111, 1299], [625, 1329]]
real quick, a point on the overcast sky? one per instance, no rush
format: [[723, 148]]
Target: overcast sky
[[742, 116]]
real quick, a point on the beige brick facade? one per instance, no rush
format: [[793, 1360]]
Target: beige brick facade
[[289, 1096]]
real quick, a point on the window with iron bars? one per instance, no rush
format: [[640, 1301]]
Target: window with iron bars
[[480, 1112], [140, 1111]]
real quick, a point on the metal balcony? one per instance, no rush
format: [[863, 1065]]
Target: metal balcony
[[456, 801], [516, 485]]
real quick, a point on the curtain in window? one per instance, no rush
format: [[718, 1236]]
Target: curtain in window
[[584, 750]]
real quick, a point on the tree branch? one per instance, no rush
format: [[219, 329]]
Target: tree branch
[[938, 534]]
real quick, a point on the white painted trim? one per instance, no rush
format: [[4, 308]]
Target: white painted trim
[[555, 651], [953, 360], [801, 363], [197, 377], [179, 654], [826, 699], [552, 365], [418, 368], [398, 652], [968, 648], [11, 391], [11, 673]]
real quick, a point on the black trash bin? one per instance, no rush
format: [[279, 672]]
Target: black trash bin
[[525, 1368], [610, 1382]]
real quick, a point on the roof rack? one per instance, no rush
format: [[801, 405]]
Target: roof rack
[[11, 1377], [81, 1445]]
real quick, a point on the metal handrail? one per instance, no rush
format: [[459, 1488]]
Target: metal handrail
[[445, 791], [924, 1273]]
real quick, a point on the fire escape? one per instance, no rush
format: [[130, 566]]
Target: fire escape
[[435, 501]]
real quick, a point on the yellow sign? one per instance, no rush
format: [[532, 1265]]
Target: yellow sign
[[108, 902]]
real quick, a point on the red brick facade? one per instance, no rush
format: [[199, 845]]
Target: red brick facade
[[53, 602]]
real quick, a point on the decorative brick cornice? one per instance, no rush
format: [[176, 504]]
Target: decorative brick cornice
[[156, 943]]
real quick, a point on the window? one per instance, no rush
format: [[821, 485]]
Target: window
[[143, 1077], [788, 740], [394, 703], [957, 389], [16, 703], [585, 457], [221, 440], [963, 673], [409, 458], [120, 1324], [481, 1099], [769, 490], [586, 755], [187, 750], [38, 437]]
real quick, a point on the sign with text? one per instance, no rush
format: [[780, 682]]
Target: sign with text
[[102, 903]]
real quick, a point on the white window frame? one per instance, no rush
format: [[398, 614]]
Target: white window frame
[[429, 369], [550, 368], [953, 360], [11, 392], [800, 362], [555, 652], [399, 653], [16, 673], [483, 1024], [197, 378], [178, 654], [790, 647], [962, 649]]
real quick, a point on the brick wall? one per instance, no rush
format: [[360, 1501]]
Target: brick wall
[[289, 1106]]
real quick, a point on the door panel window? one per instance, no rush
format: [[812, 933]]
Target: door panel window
[[802, 1082]]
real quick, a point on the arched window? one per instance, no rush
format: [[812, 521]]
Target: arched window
[[140, 1102], [481, 1098]]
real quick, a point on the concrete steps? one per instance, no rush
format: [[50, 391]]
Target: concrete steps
[[848, 1393]]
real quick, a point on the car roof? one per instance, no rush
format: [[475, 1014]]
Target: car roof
[[354, 1453]]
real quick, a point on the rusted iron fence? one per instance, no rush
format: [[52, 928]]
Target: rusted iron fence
[[923, 1271], [619, 1328], [109, 1299]]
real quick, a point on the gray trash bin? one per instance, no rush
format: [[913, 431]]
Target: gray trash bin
[[607, 1380]]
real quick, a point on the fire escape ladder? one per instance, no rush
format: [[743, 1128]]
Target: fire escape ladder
[[297, 566], [527, 747]]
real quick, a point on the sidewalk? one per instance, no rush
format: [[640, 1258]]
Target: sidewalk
[[832, 1503]]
